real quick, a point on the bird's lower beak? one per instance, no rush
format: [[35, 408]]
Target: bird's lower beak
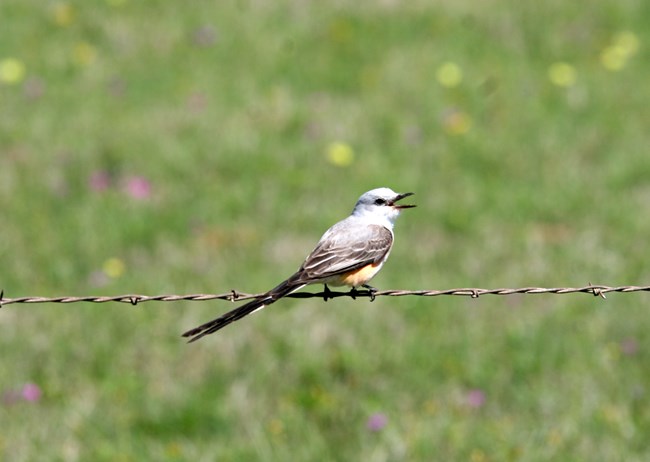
[[400, 197]]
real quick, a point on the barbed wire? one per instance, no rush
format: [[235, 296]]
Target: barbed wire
[[234, 295]]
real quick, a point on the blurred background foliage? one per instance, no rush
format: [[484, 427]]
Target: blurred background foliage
[[161, 147]]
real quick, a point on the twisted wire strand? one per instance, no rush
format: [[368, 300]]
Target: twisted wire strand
[[233, 295]]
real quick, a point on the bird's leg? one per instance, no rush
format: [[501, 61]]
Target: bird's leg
[[327, 293], [371, 291]]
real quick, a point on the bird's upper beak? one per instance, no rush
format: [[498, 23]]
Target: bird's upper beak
[[400, 197]]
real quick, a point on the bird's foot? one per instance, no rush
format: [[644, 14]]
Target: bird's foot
[[371, 291]]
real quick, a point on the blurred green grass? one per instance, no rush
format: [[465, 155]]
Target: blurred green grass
[[155, 148]]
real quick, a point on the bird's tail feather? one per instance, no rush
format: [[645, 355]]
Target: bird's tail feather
[[283, 289]]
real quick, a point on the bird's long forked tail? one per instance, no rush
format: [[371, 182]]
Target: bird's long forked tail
[[210, 327]]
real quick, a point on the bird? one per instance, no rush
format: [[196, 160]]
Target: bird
[[350, 253]]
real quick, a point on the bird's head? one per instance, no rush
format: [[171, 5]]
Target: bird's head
[[381, 203]]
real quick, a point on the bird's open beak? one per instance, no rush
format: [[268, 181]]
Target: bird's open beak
[[400, 197]]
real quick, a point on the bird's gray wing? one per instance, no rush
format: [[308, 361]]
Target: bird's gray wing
[[346, 247]]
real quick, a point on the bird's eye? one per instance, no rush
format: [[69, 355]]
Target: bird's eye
[[380, 201]]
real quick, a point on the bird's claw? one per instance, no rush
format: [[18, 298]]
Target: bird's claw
[[371, 292]]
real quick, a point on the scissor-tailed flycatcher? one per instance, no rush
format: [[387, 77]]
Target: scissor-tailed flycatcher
[[350, 253]]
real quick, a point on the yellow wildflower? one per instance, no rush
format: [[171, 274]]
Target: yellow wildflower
[[562, 74], [114, 267], [449, 75], [340, 154], [63, 14], [12, 71]]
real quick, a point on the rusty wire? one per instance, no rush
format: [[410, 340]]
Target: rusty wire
[[234, 295]]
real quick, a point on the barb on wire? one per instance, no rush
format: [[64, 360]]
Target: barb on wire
[[233, 295]]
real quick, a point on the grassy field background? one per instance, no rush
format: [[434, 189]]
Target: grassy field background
[[159, 147]]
